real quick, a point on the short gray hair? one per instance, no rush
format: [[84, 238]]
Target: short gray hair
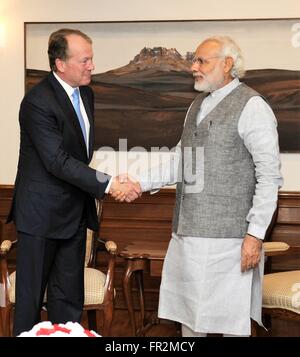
[[231, 49]]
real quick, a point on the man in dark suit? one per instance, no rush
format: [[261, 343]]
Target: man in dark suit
[[55, 189]]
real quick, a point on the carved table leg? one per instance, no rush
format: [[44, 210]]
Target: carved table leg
[[140, 284], [128, 294]]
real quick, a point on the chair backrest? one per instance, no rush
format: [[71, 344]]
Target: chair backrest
[[91, 236], [88, 248]]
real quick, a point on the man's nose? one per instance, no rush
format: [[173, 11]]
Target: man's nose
[[194, 67], [92, 66]]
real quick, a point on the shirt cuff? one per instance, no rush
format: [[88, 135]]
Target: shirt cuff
[[108, 185], [144, 182], [256, 231], [152, 192]]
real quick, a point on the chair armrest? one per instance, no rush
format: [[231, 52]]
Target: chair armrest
[[6, 246], [110, 245], [280, 248]]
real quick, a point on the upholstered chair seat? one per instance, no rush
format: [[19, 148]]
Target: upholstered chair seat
[[94, 281], [280, 291]]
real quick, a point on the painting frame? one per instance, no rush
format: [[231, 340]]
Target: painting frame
[[154, 124]]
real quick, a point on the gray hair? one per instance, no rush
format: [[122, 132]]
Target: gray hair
[[231, 49]]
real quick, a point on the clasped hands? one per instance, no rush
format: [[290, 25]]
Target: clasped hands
[[125, 188]]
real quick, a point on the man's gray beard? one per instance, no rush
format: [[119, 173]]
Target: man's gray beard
[[200, 87], [209, 87]]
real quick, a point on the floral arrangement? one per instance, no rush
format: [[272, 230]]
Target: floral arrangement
[[47, 329]]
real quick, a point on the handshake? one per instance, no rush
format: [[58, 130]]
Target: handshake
[[124, 188]]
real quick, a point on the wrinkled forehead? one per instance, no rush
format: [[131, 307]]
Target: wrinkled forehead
[[208, 49]]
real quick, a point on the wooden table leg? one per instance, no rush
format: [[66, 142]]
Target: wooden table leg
[[128, 295], [140, 285], [139, 257]]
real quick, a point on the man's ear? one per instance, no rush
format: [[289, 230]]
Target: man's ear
[[60, 65], [228, 64]]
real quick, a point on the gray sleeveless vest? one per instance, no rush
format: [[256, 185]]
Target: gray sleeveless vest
[[218, 181]]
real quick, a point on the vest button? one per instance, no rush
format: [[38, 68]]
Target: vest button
[[195, 133]]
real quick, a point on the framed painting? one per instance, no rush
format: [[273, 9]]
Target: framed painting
[[143, 83]]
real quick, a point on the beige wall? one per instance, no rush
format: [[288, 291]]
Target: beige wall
[[13, 13]]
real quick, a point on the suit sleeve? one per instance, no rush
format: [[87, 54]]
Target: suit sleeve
[[41, 126]]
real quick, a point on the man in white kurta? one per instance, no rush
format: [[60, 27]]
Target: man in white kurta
[[212, 284]]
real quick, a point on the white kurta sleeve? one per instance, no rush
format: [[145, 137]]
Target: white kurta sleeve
[[164, 174], [258, 128]]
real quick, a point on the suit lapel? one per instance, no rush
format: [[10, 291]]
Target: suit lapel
[[67, 107]]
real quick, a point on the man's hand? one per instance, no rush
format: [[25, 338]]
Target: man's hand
[[250, 254], [124, 188]]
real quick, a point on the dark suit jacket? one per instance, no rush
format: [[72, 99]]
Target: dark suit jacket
[[54, 185]]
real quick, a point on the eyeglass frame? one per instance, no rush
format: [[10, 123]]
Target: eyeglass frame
[[202, 60]]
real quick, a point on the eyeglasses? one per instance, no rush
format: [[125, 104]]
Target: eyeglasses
[[201, 60]]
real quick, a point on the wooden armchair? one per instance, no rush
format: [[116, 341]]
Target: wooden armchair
[[99, 291], [281, 290]]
